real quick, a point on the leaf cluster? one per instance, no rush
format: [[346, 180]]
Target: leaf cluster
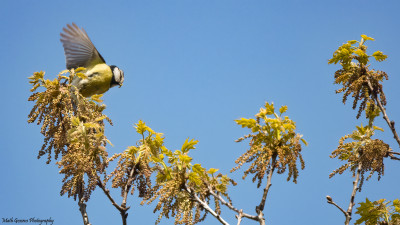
[[379, 212], [355, 77], [72, 126], [179, 182], [133, 164], [361, 150], [52, 109], [272, 136], [86, 155]]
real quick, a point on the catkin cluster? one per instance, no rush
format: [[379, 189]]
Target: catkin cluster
[[369, 153], [73, 127], [356, 81], [274, 144]]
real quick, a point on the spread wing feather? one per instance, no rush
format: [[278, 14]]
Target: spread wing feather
[[79, 49]]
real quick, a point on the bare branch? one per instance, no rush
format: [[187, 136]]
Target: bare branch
[[107, 192], [82, 206], [239, 217], [261, 218], [385, 116], [394, 157], [330, 201], [128, 185], [206, 206], [82, 209], [122, 210], [353, 194], [348, 213], [230, 206], [391, 155], [266, 189]]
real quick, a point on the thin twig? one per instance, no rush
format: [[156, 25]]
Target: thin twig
[[206, 206], [128, 185], [239, 217], [269, 184], [260, 207], [230, 206], [353, 194], [385, 116], [127, 188], [122, 209], [330, 201], [82, 209], [348, 213], [82, 206], [393, 157], [107, 192]]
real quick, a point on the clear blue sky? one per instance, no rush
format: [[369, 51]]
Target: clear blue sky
[[191, 68]]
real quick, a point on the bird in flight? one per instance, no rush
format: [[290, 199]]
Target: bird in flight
[[80, 52]]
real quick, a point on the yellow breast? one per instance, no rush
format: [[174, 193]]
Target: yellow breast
[[98, 81]]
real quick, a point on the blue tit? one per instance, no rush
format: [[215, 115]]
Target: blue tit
[[80, 52]]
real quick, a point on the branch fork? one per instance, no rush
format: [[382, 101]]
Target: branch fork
[[348, 213]]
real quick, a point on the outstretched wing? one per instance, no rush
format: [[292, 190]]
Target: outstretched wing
[[79, 49]]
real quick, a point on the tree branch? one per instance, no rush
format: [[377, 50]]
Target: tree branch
[[385, 116], [261, 206], [330, 201], [348, 213], [206, 206], [128, 185], [239, 217], [391, 155], [82, 206], [107, 192], [121, 209], [353, 194], [266, 189], [82, 209], [127, 188], [230, 206]]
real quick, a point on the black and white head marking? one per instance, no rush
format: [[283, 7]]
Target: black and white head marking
[[118, 76]]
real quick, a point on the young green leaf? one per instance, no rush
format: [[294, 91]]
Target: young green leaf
[[283, 109], [378, 128], [198, 169], [75, 121], [188, 145], [365, 37], [360, 52], [212, 170], [185, 159], [352, 42], [141, 127], [269, 108], [379, 56], [367, 213], [249, 123], [195, 178]]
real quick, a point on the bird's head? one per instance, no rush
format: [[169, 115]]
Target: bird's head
[[118, 76]]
